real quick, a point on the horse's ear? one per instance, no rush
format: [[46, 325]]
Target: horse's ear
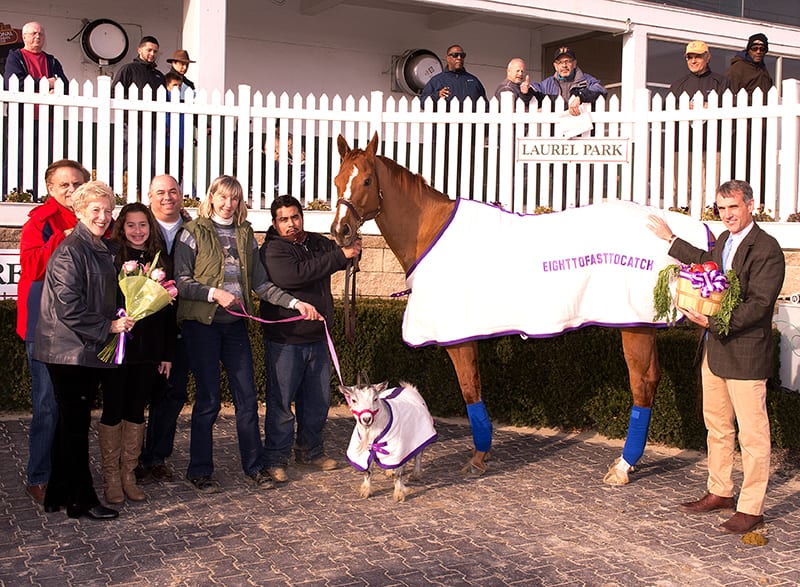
[[372, 147], [344, 148]]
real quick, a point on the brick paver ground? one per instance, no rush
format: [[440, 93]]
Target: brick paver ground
[[540, 516]]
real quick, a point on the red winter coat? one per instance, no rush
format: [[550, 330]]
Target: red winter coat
[[41, 234]]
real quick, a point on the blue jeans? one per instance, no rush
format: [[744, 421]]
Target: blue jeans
[[165, 407], [43, 423], [299, 373], [207, 346]]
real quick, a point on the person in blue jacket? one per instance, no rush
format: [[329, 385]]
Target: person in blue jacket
[[570, 82], [454, 82]]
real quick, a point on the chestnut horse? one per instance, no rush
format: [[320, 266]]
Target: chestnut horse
[[410, 215]]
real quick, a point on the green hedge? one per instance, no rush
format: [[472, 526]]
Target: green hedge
[[575, 381]]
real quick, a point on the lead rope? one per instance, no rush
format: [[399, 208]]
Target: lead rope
[[331, 349], [350, 300]]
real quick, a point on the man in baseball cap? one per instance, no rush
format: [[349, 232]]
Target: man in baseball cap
[[570, 82], [700, 77]]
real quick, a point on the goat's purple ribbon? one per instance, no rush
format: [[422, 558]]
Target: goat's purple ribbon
[[379, 447], [707, 282]]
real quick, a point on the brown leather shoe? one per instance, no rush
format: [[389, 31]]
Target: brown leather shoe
[[708, 503], [37, 492], [741, 523]]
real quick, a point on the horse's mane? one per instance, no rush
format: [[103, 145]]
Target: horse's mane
[[408, 180]]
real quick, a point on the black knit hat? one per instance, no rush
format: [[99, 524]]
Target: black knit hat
[[758, 37]]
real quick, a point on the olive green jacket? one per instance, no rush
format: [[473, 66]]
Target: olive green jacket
[[200, 265]]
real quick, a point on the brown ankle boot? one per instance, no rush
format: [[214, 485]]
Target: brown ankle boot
[[132, 436], [110, 438]]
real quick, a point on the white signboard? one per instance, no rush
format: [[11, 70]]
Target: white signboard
[[554, 150], [9, 273]]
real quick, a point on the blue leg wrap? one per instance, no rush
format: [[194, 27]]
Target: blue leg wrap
[[637, 435], [481, 426]]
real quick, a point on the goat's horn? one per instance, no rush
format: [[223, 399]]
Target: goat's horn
[[361, 379]]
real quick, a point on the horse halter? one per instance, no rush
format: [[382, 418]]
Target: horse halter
[[368, 216], [360, 220]]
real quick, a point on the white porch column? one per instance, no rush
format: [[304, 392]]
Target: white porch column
[[634, 65], [204, 26]]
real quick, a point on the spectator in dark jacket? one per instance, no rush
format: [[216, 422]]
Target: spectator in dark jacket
[[142, 70], [180, 64], [700, 77], [454, 82], [519, 84], [32, 61], [748, 69]]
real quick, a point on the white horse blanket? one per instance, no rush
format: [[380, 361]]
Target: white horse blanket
[[409, 431], [491, 272]]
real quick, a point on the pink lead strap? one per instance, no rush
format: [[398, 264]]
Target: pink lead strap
[[331, 348]]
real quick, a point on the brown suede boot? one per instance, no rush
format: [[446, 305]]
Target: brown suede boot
[[132, 436], [110, 438]]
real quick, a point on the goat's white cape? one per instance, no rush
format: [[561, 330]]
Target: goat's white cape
[[410, 430]]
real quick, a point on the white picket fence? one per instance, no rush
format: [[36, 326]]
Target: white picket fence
[[467, 154]]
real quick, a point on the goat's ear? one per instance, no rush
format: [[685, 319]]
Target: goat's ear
[[381, 387], [346, 393]]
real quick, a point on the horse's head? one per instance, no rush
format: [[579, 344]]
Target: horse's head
[[365, 401], [358, 190]]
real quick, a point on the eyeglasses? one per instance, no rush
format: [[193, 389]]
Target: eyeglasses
[[37, 34], [563, 62], [690, 56], [758, 49], [457, 55], [65, 186]]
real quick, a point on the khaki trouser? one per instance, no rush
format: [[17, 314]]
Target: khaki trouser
[[726, 402]]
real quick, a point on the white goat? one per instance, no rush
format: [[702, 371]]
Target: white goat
[[392, 427]]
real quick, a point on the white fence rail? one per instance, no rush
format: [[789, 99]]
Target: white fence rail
[[676, 155]]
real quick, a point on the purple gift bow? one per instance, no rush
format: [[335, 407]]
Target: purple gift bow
[[707, 281]]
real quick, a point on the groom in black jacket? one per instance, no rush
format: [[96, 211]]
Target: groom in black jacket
[[295, 353]]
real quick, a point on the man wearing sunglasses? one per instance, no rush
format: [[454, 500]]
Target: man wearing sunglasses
[[748, 69], [454, 82]]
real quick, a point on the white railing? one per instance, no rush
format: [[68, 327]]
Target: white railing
[[468, 154]]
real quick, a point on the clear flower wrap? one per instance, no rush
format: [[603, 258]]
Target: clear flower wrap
[[145, 294]]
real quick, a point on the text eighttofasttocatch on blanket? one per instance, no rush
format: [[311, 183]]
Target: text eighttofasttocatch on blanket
[[492, 272]]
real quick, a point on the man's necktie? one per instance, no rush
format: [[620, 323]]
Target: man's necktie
[[726, 251]]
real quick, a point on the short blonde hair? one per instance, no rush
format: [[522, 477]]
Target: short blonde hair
[[89, 192], [228, 186]]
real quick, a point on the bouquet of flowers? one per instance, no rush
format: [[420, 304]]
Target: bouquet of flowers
[[703, 288], [146, 292]]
